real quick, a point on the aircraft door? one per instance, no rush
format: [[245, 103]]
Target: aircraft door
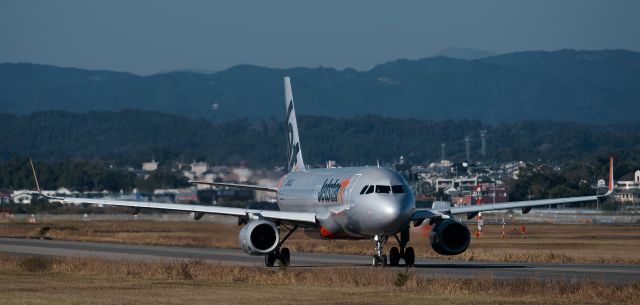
[[349, 190], [316, 190]]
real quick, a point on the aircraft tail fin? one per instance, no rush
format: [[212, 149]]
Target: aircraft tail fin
[[295, 162]]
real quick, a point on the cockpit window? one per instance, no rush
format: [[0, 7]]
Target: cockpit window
[[383, 189], [364, 189], [397, 189], [369, 190]]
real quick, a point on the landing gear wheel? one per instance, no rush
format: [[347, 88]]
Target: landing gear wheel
[[394, 256], [270, 259], [409, 256], [285, 257], [379, 261], [383, 261]]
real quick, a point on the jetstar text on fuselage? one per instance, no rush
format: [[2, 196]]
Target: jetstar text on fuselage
[[329, 191]]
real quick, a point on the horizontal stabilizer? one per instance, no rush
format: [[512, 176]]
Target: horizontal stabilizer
[[238, 186]]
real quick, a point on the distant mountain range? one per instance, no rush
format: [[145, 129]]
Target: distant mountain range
[[464, 53], [583, 86]]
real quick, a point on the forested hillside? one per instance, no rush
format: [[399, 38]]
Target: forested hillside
[[131, 136]]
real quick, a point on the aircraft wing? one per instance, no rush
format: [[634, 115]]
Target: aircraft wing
[[298, 218], [472, 210], [238, 186], [515, 205]]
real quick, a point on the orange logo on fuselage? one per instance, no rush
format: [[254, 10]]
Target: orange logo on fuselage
[[343, 185]]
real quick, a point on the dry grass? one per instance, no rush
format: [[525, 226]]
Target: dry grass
[[542, 243], [42, 280]]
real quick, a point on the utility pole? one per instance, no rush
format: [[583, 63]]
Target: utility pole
[[483, 139], [467, 139]]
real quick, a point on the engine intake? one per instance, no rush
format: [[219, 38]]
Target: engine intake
[[450, 237], [259, 237]]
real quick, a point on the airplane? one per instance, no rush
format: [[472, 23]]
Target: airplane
[[340, 203]]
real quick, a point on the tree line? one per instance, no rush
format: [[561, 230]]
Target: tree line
[[128, 137]]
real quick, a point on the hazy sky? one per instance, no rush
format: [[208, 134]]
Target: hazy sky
[[153, 36]]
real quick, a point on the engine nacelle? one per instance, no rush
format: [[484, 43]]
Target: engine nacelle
[[450, 237], [259, 237]]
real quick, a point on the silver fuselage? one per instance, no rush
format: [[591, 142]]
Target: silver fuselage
[[342, 211]]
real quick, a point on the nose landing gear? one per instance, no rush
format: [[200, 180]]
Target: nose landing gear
[[395, 253], [380, 259]]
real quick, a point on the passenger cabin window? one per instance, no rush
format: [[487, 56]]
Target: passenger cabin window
[[364, 189], [383, 189], [369, 190], [397, 189]]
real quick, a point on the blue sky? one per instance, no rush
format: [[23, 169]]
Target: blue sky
[[147, 37]]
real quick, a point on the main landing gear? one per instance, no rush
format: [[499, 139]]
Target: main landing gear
[[281, 254], [404, 252], [395, 254]]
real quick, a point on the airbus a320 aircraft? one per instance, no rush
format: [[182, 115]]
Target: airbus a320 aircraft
[[341, 203]]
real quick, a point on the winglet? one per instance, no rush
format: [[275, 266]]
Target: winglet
[[610, 174], [35, 177], [610, 186]]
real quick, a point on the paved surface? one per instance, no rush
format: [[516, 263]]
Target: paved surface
[[429, 268]]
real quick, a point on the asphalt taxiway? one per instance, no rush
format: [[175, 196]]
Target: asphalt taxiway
[[426, 267]]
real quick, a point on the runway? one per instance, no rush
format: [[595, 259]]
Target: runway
[[425, 267]]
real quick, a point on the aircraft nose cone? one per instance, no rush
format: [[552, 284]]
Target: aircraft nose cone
[[389, 209], [391, 215]]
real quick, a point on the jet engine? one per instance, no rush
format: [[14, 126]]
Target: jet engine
[[450, 237], [259, 237]]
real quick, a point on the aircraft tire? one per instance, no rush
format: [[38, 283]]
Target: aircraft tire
[[409, 256], [270, 259], [394, 256], [285, 257]]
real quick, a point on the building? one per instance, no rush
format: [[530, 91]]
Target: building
[[627, 196], [460, 184], [199, 168], [5, 197], [628, 191], [150, 166], [63, 191], [487, 193], [22, 196]]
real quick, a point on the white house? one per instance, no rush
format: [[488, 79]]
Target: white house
[[22, 196], [150, 166]]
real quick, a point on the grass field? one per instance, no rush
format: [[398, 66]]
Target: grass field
[[543, 243], [42, 280]]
